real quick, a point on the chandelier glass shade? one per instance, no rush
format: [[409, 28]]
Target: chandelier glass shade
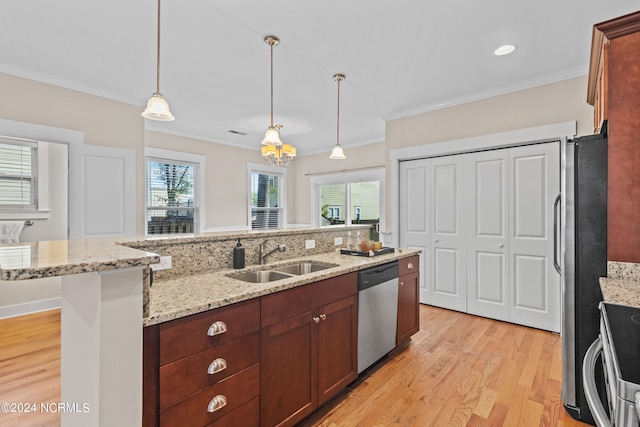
[[278, 155]]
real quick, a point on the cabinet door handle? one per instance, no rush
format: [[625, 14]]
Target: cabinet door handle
[[216, 403], [501, 245], [323, 316], [410, 265], [316, 319], [217, 328], [401, 283], [216, 366]]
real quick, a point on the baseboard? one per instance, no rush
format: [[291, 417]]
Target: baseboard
[[29, 307]]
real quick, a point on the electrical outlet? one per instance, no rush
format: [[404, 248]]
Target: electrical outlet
[[337, 241], [165, 264], [309, 244]]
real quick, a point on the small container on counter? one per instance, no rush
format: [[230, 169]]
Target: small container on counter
[[238, 256]]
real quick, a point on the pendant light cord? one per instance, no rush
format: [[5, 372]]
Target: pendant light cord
[[338, 117], [271, 46], [158, 54]]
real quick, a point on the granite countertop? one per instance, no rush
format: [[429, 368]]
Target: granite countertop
[[34, 260], [621, 291], [622, 284], [175, 298]]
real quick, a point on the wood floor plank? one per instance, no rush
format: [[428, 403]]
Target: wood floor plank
[[458, 370]]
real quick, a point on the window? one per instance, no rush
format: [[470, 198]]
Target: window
[[266, 193], [349, 198], [175, 189], [18, 174]]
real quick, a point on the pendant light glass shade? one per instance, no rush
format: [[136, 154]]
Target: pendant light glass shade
[[157, 106], [338, 153], [271, 136], [158, 109]]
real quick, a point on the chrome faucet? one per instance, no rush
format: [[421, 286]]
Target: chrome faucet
[[263, 255]]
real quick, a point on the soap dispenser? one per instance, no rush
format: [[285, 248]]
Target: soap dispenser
[[238, 256]]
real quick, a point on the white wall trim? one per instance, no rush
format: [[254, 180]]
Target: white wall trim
[[183, 157], [477, 143], [30, 307], [502, 90]]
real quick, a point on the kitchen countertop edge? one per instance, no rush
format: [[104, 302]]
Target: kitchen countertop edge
[[170, 300]]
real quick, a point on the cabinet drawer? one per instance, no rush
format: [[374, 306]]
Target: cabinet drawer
[[247, 415], [189, 335], [193, 411], [189, 375], [334, 289], [409, 265], [286, 304]]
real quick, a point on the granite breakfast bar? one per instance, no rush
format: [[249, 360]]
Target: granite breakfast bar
[[101, 336]]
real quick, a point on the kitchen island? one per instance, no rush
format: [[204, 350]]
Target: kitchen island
[[110, 308], [101, 338]]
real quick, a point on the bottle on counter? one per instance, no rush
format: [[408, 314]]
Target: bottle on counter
[[238, 256]]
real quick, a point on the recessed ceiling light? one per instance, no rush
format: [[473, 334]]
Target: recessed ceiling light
[[505, 50]]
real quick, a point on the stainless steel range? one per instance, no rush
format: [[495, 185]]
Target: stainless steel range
[[619, 345]]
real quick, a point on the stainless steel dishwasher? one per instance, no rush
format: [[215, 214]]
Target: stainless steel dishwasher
[[377, 313]]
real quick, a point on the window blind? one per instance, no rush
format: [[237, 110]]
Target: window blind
[[265, 200], [172, 205], [18, 174]]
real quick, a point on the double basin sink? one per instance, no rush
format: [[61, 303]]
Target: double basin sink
[[284, 272]]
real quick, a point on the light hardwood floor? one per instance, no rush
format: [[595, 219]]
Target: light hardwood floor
[[459, 370]]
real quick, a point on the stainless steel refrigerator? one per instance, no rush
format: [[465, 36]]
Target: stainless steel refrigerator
[[581, 257]]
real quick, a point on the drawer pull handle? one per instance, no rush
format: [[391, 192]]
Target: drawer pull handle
[[216, 403], [216, 366], [217, 328], [316, 319], [410, 265], [323, 316]]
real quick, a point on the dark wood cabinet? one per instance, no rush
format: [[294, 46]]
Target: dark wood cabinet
[[309, 348], [203, 369], [408, 299], [614, 91]]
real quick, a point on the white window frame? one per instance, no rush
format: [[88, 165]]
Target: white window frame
[[282, 190], [152, 153], [41, 209], [367, 175]]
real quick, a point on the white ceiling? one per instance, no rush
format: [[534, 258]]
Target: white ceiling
[[400, 57]]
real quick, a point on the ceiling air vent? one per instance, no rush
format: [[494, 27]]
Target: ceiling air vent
[[236, 132]]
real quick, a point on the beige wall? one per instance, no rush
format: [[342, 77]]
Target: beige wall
[[363, 156], [226, 176], [543, 105]]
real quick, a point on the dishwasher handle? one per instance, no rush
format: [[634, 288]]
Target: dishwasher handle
[[376, 275]]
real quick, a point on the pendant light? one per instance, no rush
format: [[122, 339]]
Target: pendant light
[[271, 136], [157, 107], [338, 153]]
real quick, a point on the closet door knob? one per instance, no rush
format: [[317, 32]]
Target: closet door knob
[[501, 245]]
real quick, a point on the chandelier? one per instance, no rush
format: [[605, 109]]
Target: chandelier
[[271, 136], [279, 155]]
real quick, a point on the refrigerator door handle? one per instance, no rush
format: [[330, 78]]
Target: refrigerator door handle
[[556, 242]]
